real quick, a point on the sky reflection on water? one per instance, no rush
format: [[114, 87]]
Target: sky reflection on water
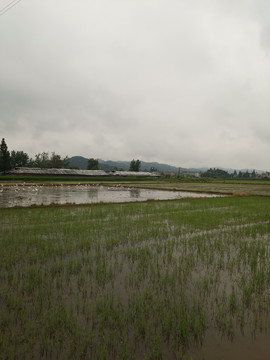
[[12, 196]]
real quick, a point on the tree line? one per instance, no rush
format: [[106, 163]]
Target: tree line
[[93, 164], [12, 159], [219, 173]]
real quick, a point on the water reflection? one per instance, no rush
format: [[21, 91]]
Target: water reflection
[[11, 196], [92, 193], [135, 193]]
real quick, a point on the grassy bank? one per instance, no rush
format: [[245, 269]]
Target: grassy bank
[[132, 281]]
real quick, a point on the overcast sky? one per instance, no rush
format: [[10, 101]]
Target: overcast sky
[[186, 82]]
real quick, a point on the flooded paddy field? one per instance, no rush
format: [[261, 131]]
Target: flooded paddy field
[[27, 195], [225, 187], [187, 279]]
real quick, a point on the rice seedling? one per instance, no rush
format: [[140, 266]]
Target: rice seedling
[[133, 281]]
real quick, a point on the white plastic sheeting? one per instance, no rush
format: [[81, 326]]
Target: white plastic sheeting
[[75, 172]]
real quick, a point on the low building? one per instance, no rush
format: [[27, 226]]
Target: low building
[[169, 174], [265, 174], [23, 171]]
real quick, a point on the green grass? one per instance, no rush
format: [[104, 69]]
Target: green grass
[[132, 281]]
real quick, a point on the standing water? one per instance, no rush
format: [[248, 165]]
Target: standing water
[[21, 195]]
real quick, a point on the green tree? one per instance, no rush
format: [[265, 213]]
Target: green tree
[[92, 164], [19, 158], [135, 165], [132, 165], [4, 157], [45, 161], [138, 165], [42, 160], [57, 162], [246, 174], [216, 173]]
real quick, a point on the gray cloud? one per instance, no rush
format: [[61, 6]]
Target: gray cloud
[[184, 82]]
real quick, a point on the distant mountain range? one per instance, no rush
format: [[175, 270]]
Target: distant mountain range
[[81, 163]]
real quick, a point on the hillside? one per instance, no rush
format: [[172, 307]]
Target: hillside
[[81, 163]]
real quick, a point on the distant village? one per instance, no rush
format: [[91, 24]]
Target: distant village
[[218, 173]]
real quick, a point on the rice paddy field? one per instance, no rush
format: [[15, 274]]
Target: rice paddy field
[[183, 279], [217, 186]]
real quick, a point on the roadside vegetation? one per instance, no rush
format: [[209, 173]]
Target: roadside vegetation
[[132, 281]]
